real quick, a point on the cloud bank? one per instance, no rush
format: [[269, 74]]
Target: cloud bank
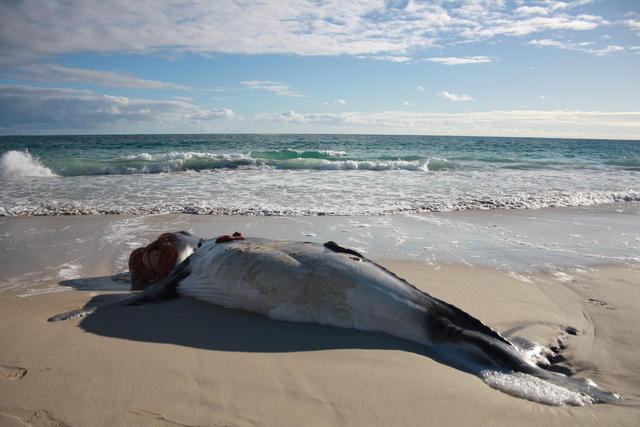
[[30, 109], [381, 29], [52, 73]]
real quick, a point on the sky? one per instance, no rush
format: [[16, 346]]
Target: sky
[[542, 68]]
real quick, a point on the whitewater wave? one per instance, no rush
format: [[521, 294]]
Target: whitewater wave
[[174, 161], [17, 164], [21, 163], [354, 165], [291, 153]]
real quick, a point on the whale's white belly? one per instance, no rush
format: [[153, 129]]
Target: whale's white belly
[[304, 282]]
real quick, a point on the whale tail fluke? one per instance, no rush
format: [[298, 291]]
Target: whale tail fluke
[[511, 361], [512, 370]]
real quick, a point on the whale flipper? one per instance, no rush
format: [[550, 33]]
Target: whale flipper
[[164, 289]]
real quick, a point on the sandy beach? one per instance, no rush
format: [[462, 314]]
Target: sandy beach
[[429, 212], [184, 362]]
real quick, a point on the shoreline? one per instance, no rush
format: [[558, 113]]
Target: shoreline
[[518, 241], [185, 362]]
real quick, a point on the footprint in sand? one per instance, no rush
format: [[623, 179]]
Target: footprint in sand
[[12, 372], [159, 419], [40, 418], [600, 303]]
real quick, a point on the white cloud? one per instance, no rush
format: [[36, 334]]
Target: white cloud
[[454, 97], [34, 108], [531, 10], [388, 58], [420, 88], [52, 73], [332, 27], [547, 42], [280, 89], [555, 5], [606, 50], [632, 24], [537, 24], [582, 47], [291, 117], [460, 61], [340, 102], [213, 114]]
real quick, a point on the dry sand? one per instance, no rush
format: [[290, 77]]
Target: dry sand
[[185, 362]]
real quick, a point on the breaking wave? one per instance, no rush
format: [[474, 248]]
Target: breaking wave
[[22, 164], [17, 164], [295, 154]]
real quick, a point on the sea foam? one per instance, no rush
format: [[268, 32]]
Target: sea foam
[[16, 164], [531, 388]]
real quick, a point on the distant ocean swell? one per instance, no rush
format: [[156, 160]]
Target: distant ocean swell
[[15, 164]]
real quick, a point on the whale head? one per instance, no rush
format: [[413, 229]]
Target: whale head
[[154, 262]]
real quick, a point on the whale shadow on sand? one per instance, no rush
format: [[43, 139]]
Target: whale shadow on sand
[[114, 282], [188, 322]]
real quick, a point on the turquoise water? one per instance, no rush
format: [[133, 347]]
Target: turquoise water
[[309, 174]]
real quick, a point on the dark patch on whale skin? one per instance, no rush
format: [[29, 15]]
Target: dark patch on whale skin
[[445, 322], [341, 249]]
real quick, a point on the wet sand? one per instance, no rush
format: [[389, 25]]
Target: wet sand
[[184, 362]]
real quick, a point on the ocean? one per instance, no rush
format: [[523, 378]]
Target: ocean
[[309, 174]]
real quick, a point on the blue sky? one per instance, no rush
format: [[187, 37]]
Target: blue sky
[[478, 67]]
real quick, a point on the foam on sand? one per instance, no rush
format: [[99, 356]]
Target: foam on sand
[[531, 388]]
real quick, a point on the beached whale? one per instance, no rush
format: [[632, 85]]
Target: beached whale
[[325, 284]]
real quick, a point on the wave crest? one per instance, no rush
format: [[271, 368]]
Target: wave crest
[[290, 153], [174, 161], [17, 164]]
